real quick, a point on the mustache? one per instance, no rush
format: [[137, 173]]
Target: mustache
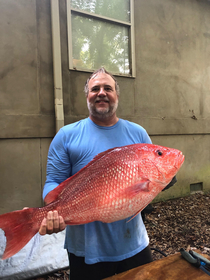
[[102, 99]]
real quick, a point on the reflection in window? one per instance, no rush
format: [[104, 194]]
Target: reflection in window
[[99, 43], [99, 34], [116, 9]]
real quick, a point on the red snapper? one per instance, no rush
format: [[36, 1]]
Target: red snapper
[[115, 185]]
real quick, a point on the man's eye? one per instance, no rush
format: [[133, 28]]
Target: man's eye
[[108, 89], [94, 89]]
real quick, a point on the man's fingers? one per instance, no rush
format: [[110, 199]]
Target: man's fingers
[[43, 227], [61, 223], [50, 222], [55, 222]]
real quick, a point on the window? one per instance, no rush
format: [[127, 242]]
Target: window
[[101, 33]]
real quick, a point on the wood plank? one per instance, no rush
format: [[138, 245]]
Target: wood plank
[[173, 267]]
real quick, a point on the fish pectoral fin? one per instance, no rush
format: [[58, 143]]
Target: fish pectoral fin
[[134, 216], [140, 186]]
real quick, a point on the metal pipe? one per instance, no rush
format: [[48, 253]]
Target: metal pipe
[[57, 68], [132, 36]]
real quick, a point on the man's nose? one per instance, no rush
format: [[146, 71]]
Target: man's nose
[[102, 91]]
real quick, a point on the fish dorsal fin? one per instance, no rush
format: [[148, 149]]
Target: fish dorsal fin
[[53, 195], [100, 155]]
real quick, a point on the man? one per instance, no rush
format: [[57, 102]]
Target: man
[[96, 250]]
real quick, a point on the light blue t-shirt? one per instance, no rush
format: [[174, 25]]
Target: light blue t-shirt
[[71, 149]]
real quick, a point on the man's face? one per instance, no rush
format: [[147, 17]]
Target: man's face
[[102, 99]]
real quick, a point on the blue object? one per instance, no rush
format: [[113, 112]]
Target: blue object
[[197, 260], [72, 148]]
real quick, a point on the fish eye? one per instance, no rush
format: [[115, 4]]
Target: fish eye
[[159, 152]]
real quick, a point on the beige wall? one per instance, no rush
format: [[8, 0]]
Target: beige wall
[[196, 168], [170, 95], [26, 79], [23, 168]]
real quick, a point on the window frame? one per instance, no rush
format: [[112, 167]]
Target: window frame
[[130, 25]]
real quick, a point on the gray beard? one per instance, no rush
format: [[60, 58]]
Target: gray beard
[[109, 112]]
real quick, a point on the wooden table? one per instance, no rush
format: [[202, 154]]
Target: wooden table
[[173, 267]]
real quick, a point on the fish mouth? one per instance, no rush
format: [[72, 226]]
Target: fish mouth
[[179, 161]]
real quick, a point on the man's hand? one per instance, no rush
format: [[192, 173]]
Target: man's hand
[[52, 224]]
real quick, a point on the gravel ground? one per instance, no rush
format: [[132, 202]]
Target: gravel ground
[[172, 225], [180, 223]]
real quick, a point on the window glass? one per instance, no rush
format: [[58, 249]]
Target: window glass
[[97, 43], [116, 9]]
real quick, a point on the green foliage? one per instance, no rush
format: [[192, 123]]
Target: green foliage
[[97, 42]]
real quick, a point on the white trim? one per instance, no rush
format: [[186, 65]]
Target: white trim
[[129, 25], [132, 38], [57, 68], [69, 28], [100, 17]]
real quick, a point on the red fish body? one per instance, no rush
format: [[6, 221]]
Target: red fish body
[[116, 184]]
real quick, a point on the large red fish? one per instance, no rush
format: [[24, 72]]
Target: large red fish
[[116, 184]]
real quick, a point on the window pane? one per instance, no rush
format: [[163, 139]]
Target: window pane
[[116, 9], [98, 43]]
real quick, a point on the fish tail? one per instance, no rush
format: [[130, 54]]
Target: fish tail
[[19, 227]]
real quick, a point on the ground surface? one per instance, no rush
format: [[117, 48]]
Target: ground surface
[[172, 225]]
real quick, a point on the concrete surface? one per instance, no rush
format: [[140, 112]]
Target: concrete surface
[[196, 167]]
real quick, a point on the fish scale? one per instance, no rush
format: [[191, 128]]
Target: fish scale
[[115, 185]]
